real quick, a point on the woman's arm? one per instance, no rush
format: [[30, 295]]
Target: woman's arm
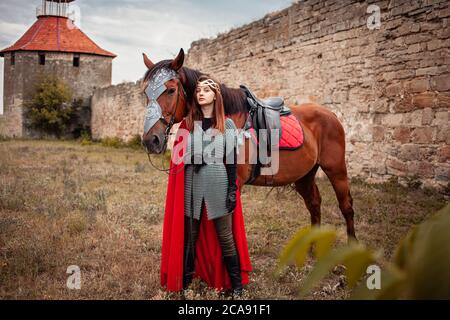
[[232, 186], [230, 160], [232, 171]]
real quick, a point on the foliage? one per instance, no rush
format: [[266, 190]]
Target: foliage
[[413, 182], [114, 142], [85, 138], [420, 268], [50, 109], [135, 142]]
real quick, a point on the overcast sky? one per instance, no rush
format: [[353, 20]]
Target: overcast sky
[[129, 27]]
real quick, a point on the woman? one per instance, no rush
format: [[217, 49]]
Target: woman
[[204, 231]]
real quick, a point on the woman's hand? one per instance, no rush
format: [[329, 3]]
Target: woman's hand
[[231, 198]]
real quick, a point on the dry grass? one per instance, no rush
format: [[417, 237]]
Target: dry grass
[[101, 208]]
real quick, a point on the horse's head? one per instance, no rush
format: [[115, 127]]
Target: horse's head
[[166, 101]]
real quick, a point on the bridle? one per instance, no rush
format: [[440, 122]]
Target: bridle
[[168, 125]]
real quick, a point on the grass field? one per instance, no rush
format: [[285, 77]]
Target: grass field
[[101, 208]]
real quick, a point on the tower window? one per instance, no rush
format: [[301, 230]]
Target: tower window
[[76, 60], [42, 59], [13, 58]]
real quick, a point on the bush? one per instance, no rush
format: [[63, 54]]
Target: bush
[[115, 142], [135, 142], [50, 109], [413, 182], [112, 142], [85, 138]]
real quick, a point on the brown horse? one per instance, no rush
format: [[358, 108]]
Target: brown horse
[[324, 139]]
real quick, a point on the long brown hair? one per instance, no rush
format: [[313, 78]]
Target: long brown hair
[[196, 114]]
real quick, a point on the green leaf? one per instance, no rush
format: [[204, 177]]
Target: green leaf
[[324, 243], [405, 249], [421, 264], [357, 263], [420, 268], [354, 256], [428, 264], [290, 249], [297, 249]]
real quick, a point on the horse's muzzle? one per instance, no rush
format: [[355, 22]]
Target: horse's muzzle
[[153, 144]]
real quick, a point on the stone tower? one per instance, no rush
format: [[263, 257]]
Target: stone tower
[[53, 45]]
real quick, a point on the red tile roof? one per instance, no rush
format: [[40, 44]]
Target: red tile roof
[[51, 33]]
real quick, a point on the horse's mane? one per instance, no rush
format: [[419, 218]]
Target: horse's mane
[[234, 100]]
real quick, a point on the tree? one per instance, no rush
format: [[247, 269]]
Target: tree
[[51, 110]]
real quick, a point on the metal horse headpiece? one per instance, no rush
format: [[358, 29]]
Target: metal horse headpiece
[[155, 88]]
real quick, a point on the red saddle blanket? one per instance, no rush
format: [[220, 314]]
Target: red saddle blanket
[[291, 133]]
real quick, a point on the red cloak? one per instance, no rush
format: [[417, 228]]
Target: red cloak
[[209, 264]]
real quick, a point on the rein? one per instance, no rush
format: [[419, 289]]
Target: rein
[[167, 131]]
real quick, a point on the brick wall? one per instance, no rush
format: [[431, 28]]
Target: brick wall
[[118, 111], [390, 86]]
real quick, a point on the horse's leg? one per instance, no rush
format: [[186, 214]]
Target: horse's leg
[[339, 179], [331, 143], [307, 188]]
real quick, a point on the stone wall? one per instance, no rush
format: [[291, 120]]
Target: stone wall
[[390, 86], [20, 82], [11, 122], [118, 111]]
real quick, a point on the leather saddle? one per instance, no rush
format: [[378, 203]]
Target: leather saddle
[[273, 103], [264, 114]]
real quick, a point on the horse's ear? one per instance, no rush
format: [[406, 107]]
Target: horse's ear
[[183, 78], [149, 64], [177, 63]]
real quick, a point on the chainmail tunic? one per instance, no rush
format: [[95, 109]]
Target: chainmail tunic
[[210, 182]]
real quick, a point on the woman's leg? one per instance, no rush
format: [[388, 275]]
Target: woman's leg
[[191, 231], [224, 228]]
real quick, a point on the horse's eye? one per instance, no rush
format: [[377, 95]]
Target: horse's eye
[[171, 91]]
